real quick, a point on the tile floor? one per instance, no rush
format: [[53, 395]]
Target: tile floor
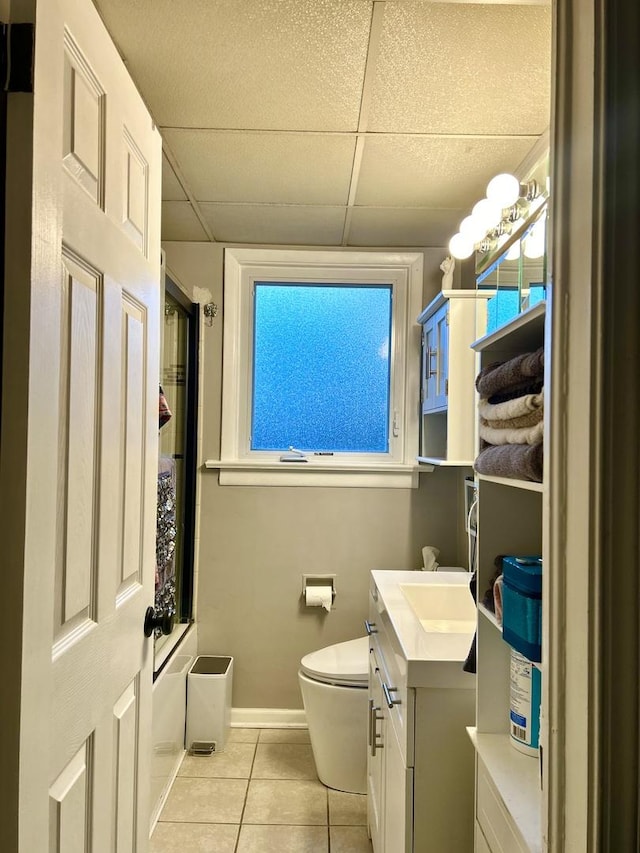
[[261, 795]]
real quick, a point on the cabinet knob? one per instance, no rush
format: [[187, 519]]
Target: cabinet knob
[[387, 695], [374, 718], [431, 354]]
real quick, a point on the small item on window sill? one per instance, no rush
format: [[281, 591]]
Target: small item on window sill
[[293, 455]]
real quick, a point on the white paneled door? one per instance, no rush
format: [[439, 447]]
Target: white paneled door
[[91, 441]]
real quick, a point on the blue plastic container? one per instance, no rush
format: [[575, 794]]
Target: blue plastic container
[[522, 605]]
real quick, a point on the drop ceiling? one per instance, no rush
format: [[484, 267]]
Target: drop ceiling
[[334, 122]]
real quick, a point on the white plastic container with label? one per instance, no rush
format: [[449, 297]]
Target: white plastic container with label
[[524, 710]]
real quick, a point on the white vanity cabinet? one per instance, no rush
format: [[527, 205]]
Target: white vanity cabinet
[[420, 767], [450, 323]]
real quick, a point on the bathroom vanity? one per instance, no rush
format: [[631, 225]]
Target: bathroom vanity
[[420, 774]]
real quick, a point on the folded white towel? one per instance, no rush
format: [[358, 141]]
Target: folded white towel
[[526, 435], [510, 408]]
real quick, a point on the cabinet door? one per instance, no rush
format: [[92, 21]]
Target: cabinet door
[[398, 801], [375, 761], [429, 365], [435, 361], [442, 358]]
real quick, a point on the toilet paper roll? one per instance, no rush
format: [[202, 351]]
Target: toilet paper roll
[[319, 596]]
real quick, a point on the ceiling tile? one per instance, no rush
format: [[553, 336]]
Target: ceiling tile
[[264, 167], [278, 225], [171, 188], [273, 64], [372, 226], [179, 222], [463, 68], [434, 172]]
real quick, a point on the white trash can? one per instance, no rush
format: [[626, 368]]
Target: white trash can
[[209, 683]]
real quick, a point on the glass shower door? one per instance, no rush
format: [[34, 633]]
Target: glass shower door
[[176, 464]]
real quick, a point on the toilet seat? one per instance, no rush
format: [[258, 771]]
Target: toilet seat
[[343, 664]]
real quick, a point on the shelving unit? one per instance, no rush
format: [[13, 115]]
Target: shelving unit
[[510, 521], [450, 323]]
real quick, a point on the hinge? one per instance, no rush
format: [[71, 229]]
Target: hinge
[[17, 57], [446, 387]]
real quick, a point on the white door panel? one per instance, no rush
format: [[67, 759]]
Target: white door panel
[[90, 452]]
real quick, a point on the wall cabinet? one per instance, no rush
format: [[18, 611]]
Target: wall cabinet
[[450, 323], [509, 521]]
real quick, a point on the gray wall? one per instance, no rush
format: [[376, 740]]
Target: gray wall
[[255, 543]]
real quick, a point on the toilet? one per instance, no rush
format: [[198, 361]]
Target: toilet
[[333, 682]]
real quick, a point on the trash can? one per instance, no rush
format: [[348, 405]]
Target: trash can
[[209, 682]]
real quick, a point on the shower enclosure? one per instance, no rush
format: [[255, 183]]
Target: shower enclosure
[[176, 464]]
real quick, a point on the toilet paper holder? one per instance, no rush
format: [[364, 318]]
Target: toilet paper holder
[[319, 580]]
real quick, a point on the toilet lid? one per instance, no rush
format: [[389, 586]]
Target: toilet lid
[[341, 663]]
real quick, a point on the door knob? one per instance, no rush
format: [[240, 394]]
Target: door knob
[[157, 619]]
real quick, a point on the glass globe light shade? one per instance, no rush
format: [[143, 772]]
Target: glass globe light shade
[[504, 190], [534, 244], [488, 213], [514, 252], [472, 229], [460, 246]]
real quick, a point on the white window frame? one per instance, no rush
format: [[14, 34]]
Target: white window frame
[[238, 464]]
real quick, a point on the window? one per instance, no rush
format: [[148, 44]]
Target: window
[[321, 353]]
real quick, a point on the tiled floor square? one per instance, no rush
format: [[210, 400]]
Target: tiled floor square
[[284, 736], [205, 801], [284, 761], [350, 839], [242, 735], [194, 838], [234, 763], [286, 802], [283, 839], [347, 809]]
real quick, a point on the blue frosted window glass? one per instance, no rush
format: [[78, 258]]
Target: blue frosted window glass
[[321, 367]]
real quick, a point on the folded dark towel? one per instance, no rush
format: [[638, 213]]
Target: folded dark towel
[[522, 389], [516, 461], [503, 376]]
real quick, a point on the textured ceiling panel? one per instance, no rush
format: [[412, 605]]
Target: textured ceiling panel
[[434, 172], [171, 189], [463, 68], [179, 222], [379, 227], [286, 226], [259, 167], [272, 64]]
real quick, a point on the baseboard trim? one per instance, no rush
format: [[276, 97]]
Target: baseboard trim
[[268, 718], [165, 792]]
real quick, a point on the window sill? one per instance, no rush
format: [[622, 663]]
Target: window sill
[[385, 475]]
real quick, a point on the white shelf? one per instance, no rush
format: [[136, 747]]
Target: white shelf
[[491, 617], [451, 463], [527, 485], [517, 779], [524, 332]]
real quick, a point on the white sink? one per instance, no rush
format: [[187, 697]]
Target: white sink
[[441, 608]]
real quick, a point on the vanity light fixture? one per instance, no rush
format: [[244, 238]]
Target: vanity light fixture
[[461, 247], [507, 202]]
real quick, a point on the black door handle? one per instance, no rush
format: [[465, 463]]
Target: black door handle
[[157, 619]]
